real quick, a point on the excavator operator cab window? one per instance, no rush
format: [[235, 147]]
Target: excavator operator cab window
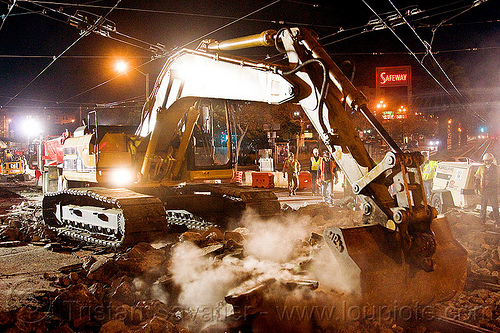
[[211, 136]]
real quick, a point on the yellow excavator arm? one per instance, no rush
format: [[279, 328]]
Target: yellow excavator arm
[[404, 253]]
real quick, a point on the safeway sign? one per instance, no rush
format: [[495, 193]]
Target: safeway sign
[[398, 76]]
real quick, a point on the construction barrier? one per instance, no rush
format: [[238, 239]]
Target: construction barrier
[[305, 181], [238, 177], [263, 179]]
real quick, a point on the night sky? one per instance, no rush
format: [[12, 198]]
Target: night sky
[[469, 36]]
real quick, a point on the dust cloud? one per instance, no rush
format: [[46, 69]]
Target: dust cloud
[[275, 250]]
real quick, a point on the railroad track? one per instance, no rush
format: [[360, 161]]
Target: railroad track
[[476, 153], [448, 325], [478, 281]]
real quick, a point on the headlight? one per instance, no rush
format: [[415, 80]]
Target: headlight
[[122, 177]]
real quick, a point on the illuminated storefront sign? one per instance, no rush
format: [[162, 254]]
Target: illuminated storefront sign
[[388, 115], [398, 76]]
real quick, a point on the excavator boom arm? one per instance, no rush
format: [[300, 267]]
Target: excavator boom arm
[[405, 252]]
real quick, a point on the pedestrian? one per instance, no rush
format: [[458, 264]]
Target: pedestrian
[[428, 172], [314, 163], [328, 177], [292, 170], [486, 184]]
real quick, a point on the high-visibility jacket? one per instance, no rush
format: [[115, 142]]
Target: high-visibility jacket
[[429, 170], [488, 178], [315, 162], [328, 174], [291, 167]]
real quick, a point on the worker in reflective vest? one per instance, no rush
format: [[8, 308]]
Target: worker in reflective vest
[[314, 170], [428, 172], [292, 170], [328, 177], [486, 184]]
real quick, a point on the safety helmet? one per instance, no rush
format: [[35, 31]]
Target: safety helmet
[[315, 151], [488, 156]]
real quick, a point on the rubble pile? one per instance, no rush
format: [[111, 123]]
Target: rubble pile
[[258, 277], [23, 223], [268, 274], [100, 295], [481, 241], [476, 305]]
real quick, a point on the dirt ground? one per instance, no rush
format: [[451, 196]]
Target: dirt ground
[[211, 281], [22, 268]]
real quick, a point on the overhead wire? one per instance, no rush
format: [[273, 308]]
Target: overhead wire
[[434, 29], [414, 56], [4, 18], [106, 82], [47, 9], [429, 52], [230, 23], [24, 56], [427, 46], [180, 13], [235, 21], [71, 105], [38, 12], [88, 31], [193, 41], [468, 49], [239, 19]]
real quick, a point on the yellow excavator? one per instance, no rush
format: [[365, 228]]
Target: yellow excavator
[[167, 172]]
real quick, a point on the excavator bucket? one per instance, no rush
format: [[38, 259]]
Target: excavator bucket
[[371, 257]]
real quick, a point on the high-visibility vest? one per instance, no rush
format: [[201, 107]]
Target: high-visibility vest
[[315, 163], [429, 170], [488, 177], [291, 167]]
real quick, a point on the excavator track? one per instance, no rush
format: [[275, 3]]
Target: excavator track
[[223, 204], [113, 217]]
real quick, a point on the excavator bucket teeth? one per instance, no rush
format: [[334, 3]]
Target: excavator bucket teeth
[[371, 257]]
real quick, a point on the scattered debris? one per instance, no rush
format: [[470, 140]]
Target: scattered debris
[[215, 281]]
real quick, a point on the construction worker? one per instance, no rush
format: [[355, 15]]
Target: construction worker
[[328, 177], [428, 171], [486, 184], [8, 156], [38, 174], [314, 164], [292, 170]]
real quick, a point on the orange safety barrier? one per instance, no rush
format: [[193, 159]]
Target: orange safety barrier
[[305, 181], [238, 177], [263, 179]]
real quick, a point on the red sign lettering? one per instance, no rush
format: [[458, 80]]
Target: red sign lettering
[[384, 77], [398, 76]]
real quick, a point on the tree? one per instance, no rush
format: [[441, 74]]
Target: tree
[[249, 119]]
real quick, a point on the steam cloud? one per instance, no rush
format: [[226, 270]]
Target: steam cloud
[[273, 250]]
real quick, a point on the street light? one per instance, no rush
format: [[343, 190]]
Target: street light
[[381, 105], [121, 66], [31, 127]]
